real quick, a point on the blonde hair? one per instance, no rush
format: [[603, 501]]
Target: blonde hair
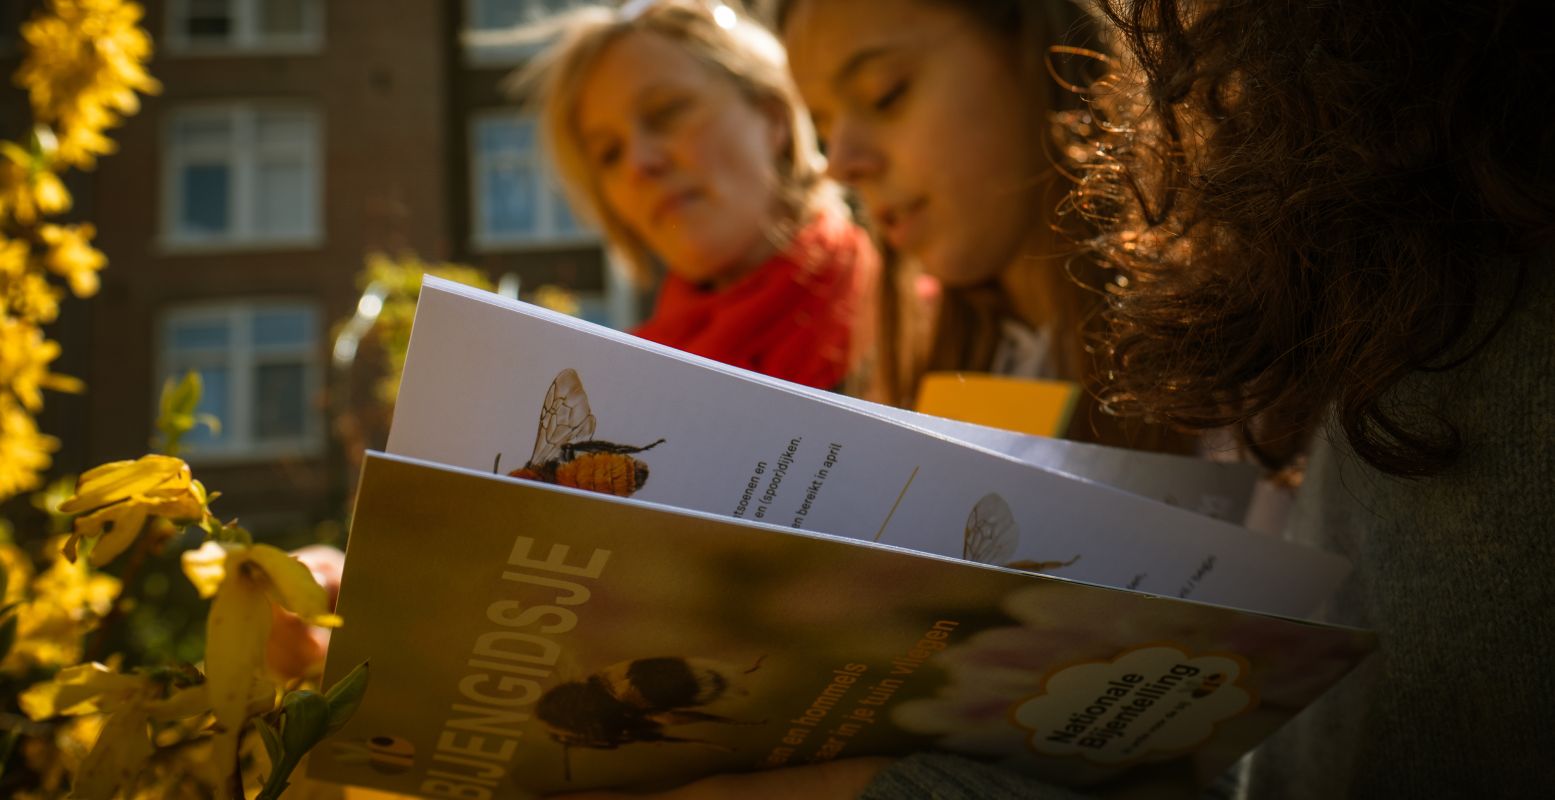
[[716, 34]]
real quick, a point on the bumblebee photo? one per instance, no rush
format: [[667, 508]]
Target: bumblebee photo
[[566, 452], [638, 701]]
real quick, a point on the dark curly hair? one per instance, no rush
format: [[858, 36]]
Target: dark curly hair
[[1309, 200]]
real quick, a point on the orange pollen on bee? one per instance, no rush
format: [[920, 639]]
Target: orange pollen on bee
[[611, 473]]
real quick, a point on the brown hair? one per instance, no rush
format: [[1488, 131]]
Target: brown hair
[[1309, 201], [731, 45], [968, 325]]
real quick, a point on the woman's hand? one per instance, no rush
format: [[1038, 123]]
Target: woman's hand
[[295, 648], [832, 780]]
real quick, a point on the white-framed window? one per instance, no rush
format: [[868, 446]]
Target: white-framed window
[[262, 372], [214, 26], [516, 198], [241, 175], [490, 24]]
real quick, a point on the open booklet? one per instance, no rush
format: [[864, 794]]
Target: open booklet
[[500, 386], [685, 568], [528, 639]]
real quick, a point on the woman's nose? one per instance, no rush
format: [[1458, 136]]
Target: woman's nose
[[647, 155], [851, 157]]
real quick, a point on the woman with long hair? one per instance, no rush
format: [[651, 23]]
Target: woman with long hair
[[939, 117], [676, 129]]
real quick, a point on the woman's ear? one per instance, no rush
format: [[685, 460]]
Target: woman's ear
[[780, 134]]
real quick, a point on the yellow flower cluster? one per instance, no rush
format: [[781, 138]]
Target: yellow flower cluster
[[24, 364], [28, 188], [85, 62], [24, 359], [401, 278], [25, 452], [116, 500], [242, 581], [55, 610]]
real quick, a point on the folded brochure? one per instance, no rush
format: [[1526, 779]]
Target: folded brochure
[[499, 386], [528, 638]]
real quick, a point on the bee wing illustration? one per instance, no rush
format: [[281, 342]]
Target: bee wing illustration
[[564, 418], [991, 532]]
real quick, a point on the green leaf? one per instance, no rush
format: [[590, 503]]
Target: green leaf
[[8, 741], [271, 739], [304, 723], [176, 410], [346, 696]]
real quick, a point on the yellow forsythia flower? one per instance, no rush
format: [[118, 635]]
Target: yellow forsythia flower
[[31, 298], [132, 701], [28, 189], [24, 363], [72, 257], [557, 299], [244, 580], [116, 499], [24, 451], [66, 602], [13, 258], [16, 568], [85, 61]]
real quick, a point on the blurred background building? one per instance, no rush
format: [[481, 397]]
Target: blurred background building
[[291, 139]]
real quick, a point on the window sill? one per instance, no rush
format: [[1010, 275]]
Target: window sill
[[191, 51], [200, 247], [528, 245], [255, 455]]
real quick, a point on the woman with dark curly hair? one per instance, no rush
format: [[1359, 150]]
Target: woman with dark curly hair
[[1334, 224], [1335, 221]]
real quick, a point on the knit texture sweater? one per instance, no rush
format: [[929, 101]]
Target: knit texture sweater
[[1455, 572]]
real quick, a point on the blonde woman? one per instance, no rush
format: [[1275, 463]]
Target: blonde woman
[[675, 127]]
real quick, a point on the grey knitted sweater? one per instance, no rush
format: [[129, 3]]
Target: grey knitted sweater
[[1457, 575]]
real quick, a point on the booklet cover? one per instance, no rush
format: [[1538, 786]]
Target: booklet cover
[[499, 386], [528, 639]]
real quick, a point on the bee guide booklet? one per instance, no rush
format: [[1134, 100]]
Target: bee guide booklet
[[504, 387], [592, 561], [527, 638]]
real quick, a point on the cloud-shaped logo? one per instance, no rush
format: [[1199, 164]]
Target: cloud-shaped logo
[[1155, 699]]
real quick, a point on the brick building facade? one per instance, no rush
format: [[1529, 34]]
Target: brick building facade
[[292, 138]]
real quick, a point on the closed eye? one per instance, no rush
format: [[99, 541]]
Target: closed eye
[[885, 101]]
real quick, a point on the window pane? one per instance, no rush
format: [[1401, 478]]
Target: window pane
[[209, 19], [199, 335], [505, 138], [498, 13], [214, 400], [283, 204], [509, 200], [283, 17], [283, 328], [205, 188], [280, 407]]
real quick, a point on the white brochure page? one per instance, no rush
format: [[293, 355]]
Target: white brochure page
[[480, 369]]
